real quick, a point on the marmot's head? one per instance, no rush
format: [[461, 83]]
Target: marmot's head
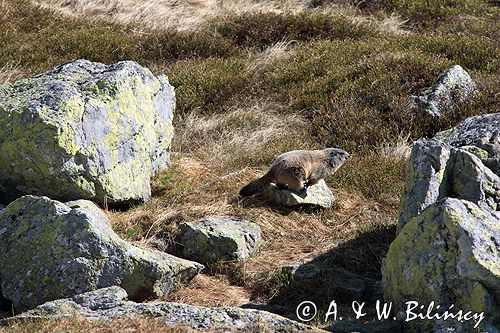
[[336, 157]]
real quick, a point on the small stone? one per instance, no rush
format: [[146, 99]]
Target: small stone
[[101, 299], [454, 86], [158, 244], [220, 239], [318, 195]]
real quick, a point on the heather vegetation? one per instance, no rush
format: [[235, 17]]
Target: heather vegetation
[[255, 78]]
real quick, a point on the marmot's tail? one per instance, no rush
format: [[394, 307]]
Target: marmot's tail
[[258, 185]]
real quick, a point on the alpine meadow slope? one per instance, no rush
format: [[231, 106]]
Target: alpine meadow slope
[[254, 79]]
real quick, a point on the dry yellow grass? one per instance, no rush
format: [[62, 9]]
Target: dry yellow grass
[[213, 291], [124, 325], [190, 14], [242, 137], [263, 61], [289, 236], [397, 150], [194, 14], [10, 73], [81, 325]]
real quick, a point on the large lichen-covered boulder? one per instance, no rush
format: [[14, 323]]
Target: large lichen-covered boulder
[[454, 86], [51, 250], [84, 130], [447, 254], [478, 135], [426, 178], [318, 195], [220, 239], [461, 162], [111, 302], [447, 249]]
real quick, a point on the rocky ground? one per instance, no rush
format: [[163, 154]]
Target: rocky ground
[[119, 179]]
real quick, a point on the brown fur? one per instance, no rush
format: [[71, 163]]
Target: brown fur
[[298, 169]]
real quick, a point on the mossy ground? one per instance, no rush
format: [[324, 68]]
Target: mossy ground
[[254, 80]]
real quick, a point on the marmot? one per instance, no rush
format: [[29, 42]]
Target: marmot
[[298, 169]]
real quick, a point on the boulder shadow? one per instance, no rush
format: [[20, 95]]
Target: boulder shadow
[[349, 272]]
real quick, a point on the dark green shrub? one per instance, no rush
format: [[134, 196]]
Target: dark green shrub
[[208, 85], [37, 38], [169, 46], [367, 6], [264, 29], [433, 12], [420, 13], [471, 52], [355, 93], [372, 175]]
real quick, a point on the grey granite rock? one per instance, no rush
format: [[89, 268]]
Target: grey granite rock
[[480, 131], [426, 178], [478, 135], [461, 162], [85, 130], [220, 239], [111, 302], [51, 250], [316, 195], [453, 87], [449, 227], [447, 254]]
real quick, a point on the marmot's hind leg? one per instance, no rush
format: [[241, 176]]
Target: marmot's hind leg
[[292, 178], [296, 186], [312, 181]]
